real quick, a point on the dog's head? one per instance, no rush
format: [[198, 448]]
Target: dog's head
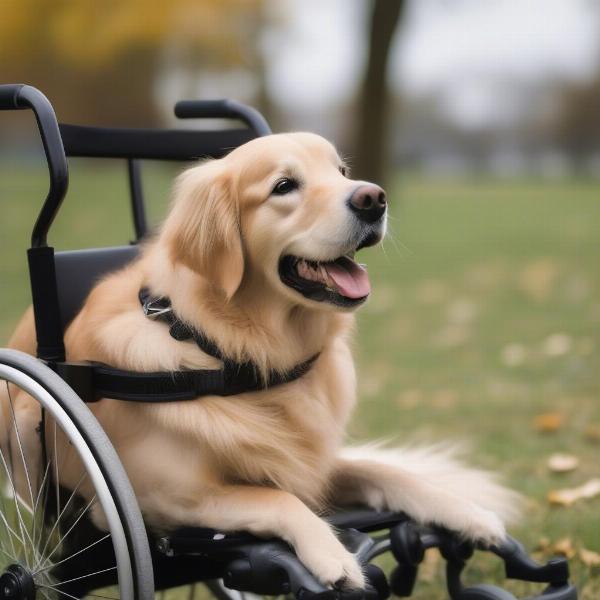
[[280, 212]]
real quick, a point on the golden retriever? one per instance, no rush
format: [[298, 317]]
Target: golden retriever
[[256, 252]]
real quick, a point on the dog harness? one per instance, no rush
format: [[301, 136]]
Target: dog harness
[[93, 381]]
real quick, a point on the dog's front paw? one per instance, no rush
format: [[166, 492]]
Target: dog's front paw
[[476, 524], [332, 564], [485, 526]]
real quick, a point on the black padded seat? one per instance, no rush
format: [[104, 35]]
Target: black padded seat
[[78, 270]]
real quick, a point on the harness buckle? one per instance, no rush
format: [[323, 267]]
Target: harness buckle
[[154, 308]]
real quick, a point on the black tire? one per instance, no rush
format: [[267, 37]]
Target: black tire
[[30, 374]]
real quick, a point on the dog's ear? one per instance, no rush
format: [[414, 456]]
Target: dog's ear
[[203, 227]]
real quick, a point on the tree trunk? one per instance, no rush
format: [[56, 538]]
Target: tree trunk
[[371, 145]]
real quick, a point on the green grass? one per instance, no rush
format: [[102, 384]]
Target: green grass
[[485, 313]]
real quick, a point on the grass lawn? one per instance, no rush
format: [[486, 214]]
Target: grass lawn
[[485, 313]]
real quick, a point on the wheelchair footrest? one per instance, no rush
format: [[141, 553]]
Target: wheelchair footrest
[[270, 567]]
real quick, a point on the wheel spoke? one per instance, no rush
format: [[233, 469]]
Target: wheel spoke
[[43, 486], [12, 533], [14, 419], [62, 538], [70, 555], [10, 529], [56, 477], [83, 476], [50, 587], [55, 586], [22, 526], [49, 530], [44, 594], [8, 555]]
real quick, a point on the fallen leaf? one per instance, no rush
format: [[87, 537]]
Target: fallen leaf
[[548, 422], [557, 344], [564, 547], [568, 496], [537, 278], [543, 544], [461, 311], [562, 463], [589, 558]]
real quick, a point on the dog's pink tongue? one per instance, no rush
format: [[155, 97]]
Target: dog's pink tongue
[[350, 279]]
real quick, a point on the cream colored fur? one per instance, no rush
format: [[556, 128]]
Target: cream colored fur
[[271, 461]]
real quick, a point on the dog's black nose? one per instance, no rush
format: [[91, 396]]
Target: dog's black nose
[[368, 202]]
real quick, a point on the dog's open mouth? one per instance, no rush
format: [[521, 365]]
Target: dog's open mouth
[[341, 281]]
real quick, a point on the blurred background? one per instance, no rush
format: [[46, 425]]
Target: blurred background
[[482, 118]]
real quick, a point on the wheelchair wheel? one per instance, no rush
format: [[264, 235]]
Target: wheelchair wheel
[[70, 526]]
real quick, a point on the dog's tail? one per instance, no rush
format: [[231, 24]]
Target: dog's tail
[[443, 466]]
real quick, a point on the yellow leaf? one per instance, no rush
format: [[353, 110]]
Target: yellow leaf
[[589, 558], [564, 547], [568, 496], [543, 544], [548, 422]]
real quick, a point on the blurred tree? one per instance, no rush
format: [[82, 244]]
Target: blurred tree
[[578, 127], [371, 144], [98, 61]]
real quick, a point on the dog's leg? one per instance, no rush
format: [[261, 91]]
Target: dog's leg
[[271, 512], [429, 485]]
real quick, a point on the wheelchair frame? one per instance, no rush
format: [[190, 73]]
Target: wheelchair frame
[[59, 283]]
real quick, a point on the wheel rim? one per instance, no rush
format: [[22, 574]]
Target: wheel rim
[[41, 524]]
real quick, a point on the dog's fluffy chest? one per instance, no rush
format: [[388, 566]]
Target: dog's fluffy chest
[[288, 437], [285, 438]]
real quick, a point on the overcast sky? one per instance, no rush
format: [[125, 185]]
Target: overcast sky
[[454, 48]]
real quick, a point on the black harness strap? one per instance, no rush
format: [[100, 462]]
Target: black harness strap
[[93, 381]]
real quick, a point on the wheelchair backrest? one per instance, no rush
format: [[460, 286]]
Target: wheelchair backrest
[[77, 271], [61, 281]]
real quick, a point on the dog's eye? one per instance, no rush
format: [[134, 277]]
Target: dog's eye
[[285, 186], [343, 171]]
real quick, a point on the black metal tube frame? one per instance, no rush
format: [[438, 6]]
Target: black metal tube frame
[[64, 140]]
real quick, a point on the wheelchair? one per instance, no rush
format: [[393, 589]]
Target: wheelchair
[[50, 548]]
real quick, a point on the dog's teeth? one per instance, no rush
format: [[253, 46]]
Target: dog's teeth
[[324, 277]]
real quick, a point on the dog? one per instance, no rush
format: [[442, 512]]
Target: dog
[[257, 253]]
